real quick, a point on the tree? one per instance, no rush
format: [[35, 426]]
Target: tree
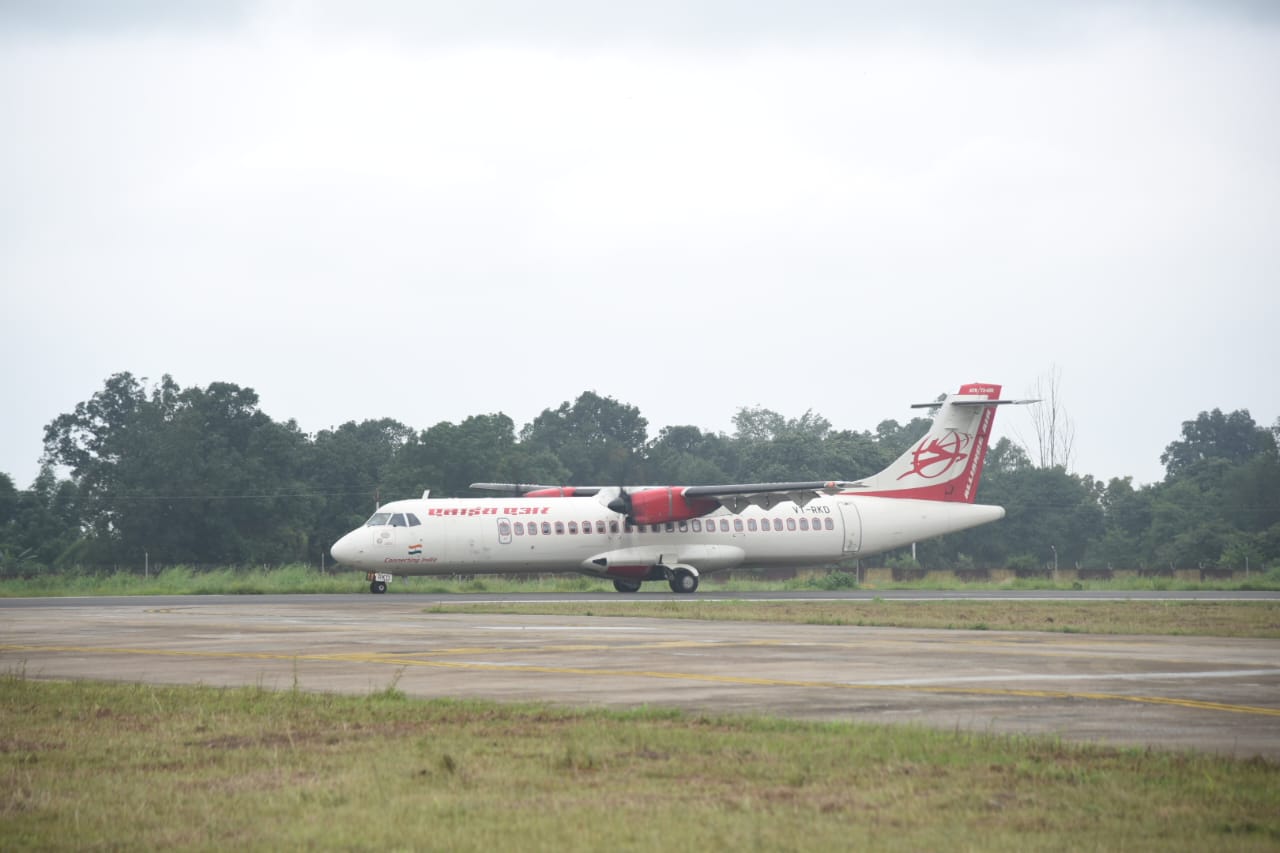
[[1055, 430], [1187, 530], [8, 500], [448, 457], [347, 469], [773, 448], [39, 527], [1212, 435], [895, 439], [1005, 457], [597, 439], [196, 475], [688, 456], [1047, 509]]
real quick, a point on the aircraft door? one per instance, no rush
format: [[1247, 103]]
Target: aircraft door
[[504, 531], [852, 523]]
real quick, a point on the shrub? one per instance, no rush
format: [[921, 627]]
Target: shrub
[[835, 580]]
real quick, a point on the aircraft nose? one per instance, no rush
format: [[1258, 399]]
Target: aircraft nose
[[346, 550]]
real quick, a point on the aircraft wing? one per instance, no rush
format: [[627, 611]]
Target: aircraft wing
[[537, 489], [734, 496]]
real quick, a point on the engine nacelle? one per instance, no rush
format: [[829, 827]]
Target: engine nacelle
[[657, 506]]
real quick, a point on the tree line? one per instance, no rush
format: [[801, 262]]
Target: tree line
[[202, 476]]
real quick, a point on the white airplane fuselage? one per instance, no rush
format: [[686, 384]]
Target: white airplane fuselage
[[521, 534]]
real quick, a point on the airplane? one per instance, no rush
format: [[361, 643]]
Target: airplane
[[630, 535]]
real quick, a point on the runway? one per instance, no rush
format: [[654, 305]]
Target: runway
[[1219, 695]]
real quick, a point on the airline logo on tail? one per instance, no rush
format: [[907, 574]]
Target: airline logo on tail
[[934, 457]]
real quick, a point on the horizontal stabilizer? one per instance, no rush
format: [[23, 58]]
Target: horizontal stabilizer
[[973, 403]]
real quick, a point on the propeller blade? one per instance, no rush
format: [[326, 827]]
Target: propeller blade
[[622, 504]]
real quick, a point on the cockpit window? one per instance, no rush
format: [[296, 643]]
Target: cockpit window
[[413, 519], [378, 519], [397, 520]]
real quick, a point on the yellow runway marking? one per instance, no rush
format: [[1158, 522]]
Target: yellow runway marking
[[399, 660]]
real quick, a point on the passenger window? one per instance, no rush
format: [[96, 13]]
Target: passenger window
[[724, 525], [519, 528], [791, 524], [600, 526], [737, 525], [684, 527], [559, 528], [697, 525], [546, 528], [830, 524], [413, 519], [573, 528], [751, 524], [613, 526]]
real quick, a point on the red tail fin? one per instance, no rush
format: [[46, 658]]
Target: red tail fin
[[946, 464]]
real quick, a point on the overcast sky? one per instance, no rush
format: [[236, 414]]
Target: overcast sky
[[427, 211]]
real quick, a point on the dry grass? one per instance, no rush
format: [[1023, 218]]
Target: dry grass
[[88, 765]]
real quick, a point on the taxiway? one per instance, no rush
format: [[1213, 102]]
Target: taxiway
[[1220, 695]]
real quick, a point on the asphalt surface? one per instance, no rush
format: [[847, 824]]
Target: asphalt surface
[[1214, 694]]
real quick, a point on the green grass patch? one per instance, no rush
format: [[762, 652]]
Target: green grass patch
[[182, 580], [93, 765]]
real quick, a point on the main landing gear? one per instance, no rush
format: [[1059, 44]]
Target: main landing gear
[[682, 580]]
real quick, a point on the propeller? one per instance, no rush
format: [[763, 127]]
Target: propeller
[[621, 504]]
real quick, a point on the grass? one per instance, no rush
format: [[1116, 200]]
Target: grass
[[94, 765], [181, 580], [1190, 618], [299, 579]]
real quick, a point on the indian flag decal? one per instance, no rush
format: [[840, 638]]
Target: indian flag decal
[[415, 550]]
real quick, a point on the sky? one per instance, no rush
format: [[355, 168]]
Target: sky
[[427, 211]]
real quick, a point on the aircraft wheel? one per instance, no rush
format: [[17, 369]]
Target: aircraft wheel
[[626, 586], [684, 581], [378, 587]]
